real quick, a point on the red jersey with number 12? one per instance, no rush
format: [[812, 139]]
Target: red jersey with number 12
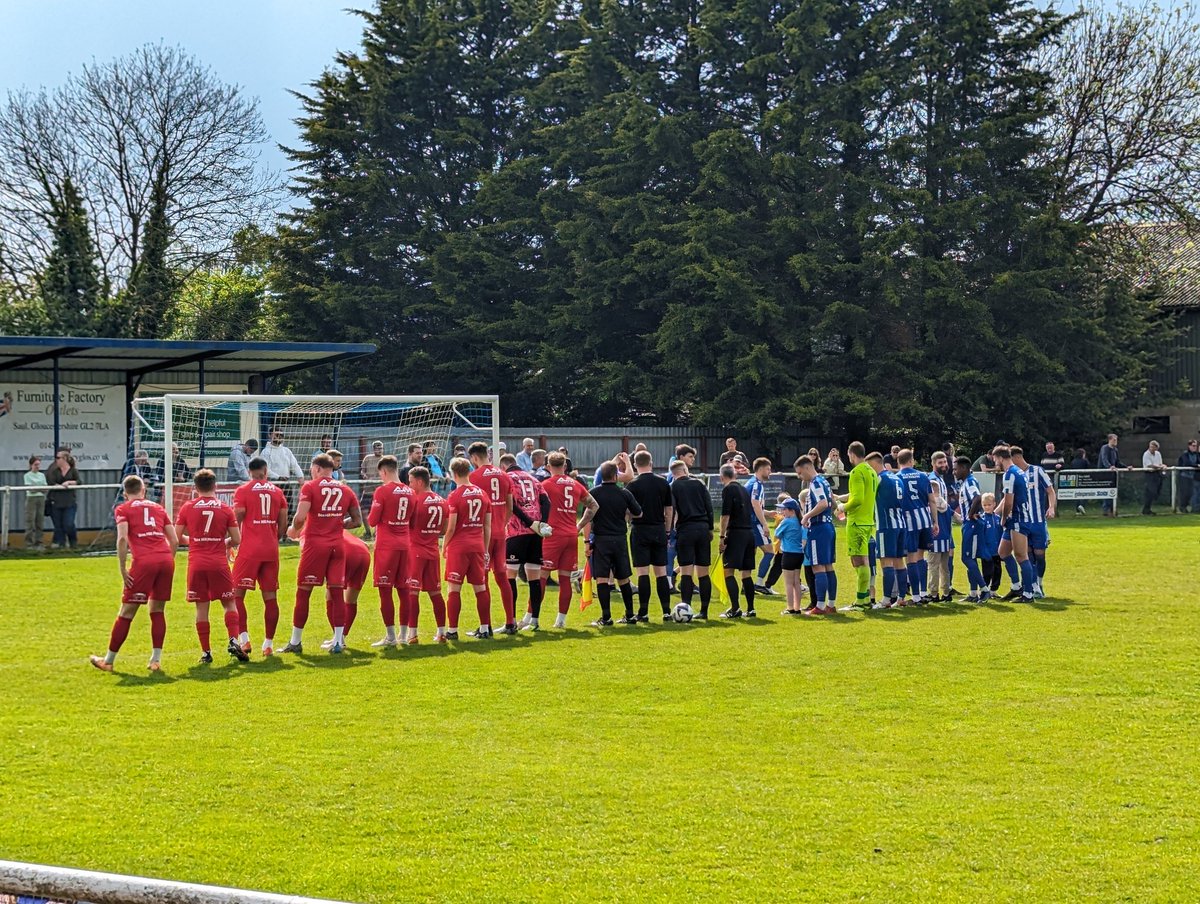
[[470, 505], [146, 520], [428, 522], [329, 502], [565, 495], [206, 520], [263, 502]]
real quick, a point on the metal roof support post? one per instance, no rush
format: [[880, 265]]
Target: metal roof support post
[[336, 389], [57, 413]]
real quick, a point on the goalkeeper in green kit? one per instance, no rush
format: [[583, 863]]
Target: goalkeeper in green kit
[[859, 506]]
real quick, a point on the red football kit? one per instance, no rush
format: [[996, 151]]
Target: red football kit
[[258, 557], [323, 558], [358, 560], [153, 566], [391, 516], [527, 494], [465, 550], [428, 522], [498, 489], [560, 551], [206, 520]]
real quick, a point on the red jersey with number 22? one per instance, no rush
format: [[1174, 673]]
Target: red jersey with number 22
[[146, 520], [565, 495], [206, 521], [262, 501], [329, 502], [470, 505]]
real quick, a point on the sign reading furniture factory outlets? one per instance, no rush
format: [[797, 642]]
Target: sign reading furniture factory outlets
[[91, 425]]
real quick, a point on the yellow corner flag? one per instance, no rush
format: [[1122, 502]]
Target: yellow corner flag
[[585, 596]]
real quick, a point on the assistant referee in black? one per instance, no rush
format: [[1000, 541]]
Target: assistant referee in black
[[648, 539], [693, 535], [737, 542], [610, 543]]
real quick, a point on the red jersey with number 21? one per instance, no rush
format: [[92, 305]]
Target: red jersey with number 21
[[146, 520], [329, 502], [470, 505], [428, 522]]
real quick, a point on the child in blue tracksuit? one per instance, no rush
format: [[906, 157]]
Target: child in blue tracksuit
[[791, 536], [990, 530]]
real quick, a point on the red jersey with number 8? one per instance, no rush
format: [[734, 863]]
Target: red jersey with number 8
[[392, 514], [329, 502], [471, 506]]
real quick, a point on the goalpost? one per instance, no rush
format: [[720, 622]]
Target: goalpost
[[181, 433]]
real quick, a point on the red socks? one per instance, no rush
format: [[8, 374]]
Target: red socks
[[271, 617], [483, 605], [158, 629], [564, 594], [300, 613], [337, 601], [119, 632], [506, 593], [414, 606], [351, 614], [243, 624], [233, 623], [455, 608], [439, 609], [386, 607], [202, 631]]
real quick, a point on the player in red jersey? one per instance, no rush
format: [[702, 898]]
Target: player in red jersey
[[526, 528], [145, 528], [560, 552], [358, 565], [209, 527], [391, 515], [468, 537], [326, 508], [261, 510], [498, 489], [428, 524]]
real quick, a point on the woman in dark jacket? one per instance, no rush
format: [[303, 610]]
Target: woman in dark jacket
[[63, 477]]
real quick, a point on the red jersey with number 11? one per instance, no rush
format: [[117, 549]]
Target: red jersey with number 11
[[329, 502], [262, 502]]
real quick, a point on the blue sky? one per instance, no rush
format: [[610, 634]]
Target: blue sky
[[266, 46]]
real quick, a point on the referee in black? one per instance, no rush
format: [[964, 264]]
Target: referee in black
[[737, 543], [648, 539], [610, 544], [693, 508]]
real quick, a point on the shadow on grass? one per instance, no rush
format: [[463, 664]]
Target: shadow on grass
[[144, 679]]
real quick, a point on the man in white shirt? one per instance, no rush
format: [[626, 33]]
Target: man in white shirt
[[282, 466], [238, 467], [525, 456], [1153, 461]]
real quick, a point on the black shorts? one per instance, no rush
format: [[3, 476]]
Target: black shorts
[[610, 558], [525, 549], [693, 545], [648, 546], [739, 550], [792, 561]]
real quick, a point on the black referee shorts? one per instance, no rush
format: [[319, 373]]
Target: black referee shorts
[[610, 558], [693, 545], [648, 546], [524, 549], [739, 550]]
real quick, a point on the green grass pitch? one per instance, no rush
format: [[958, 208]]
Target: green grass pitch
[[1040, 752]]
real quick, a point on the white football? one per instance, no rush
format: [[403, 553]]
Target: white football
[[681, 613]]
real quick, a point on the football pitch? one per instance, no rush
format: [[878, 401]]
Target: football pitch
[[1009, 752]]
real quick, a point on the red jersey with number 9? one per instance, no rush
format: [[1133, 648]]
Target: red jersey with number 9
[[497, 489], [428, 522], [206, 520], [329, 502], [262, 502], [565, 495], [471, 506], [146, 520]]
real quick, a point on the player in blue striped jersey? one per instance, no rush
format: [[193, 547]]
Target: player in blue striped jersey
[[921, 517], [820, 549], [756, 486], [1013, 504], [941, 547], [970, 505], [1040, 506], [891, 536]]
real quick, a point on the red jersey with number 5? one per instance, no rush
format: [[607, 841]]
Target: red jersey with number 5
[[428, 522], [146, 520], [498, 489], [392, 513], [262, 502], [565, 495], [471, 506], [527, 494], [329, 502], [206, 520]]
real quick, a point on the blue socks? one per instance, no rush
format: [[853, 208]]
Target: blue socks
[[889, 580], [1010, 565], [764, 567], [821, 579], [832, 581]]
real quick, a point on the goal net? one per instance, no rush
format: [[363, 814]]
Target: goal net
[[178, 434]]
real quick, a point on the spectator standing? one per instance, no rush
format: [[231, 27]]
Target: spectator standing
[[835, 469], [237, 469], [731, 454], [1110, 459], [818, 463], [1052, 460], [433, 462], [140, 466], [64, 477], [985, 462], [1189, 480], [338, 473], [1081, 463], [326, 445], [1152, 460], [570, 466], [282, 468], [35, 503], [525, 456], [413, 461], [540, 471], [368, 470], [180, 472]]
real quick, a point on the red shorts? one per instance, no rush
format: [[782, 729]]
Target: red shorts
[[151, 581], [322, 564], [209, 582], [560, 554], [391, 566], [248, 571], [465, 566], [425, 572], [356, 571]]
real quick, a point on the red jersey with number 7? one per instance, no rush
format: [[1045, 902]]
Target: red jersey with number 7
[[262, 502], [206, 520], [428, 522], [329, 502], [147, 522], [471, 506], [565, 494], [497, 488]]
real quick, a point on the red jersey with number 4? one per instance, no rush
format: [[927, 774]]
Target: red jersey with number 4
[[206, 521], [470, 505], [565, 495], [146, 520], [329, 502], [263, 502], [392, 514], [428, 521], [527, 494], [498, 489]]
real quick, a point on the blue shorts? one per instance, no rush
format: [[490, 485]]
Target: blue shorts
[[820, 545], [1035, 532], [760, 534], [972, 541], [892, 542], [919, 539]]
